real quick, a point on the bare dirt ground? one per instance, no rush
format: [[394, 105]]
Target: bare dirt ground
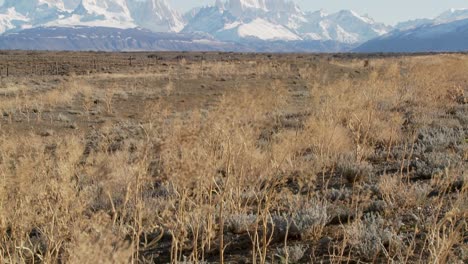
[[234, 158]]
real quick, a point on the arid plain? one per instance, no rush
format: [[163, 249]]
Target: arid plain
[[233, 158]]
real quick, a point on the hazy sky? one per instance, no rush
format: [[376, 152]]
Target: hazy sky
[[387, 11]]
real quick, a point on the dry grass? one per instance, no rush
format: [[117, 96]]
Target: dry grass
[[292, 162]]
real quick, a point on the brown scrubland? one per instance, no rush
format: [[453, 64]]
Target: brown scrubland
[[233, 158]]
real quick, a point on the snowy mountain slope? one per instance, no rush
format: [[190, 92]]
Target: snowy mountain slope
[[344, 26], [156, 15], [281, 12], [281, 20], [211, 20], [361, 27], [223, 25], [451, 36], [106, 13], [227, 20], [19, 14], [264, 30]]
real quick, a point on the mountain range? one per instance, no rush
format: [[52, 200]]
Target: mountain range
[[236, 20], [446, 33], [226, 25]]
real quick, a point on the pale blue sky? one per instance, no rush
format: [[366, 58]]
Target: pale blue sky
[[387, 11]]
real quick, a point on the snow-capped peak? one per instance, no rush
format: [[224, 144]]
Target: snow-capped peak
[[351, 14], [344, 26], [156, 15], [235, 20], [20, 14], [108, 13]]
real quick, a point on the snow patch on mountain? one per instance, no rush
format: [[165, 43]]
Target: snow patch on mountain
[[344, 36], [232, 25], [364, 19], [264, 30]]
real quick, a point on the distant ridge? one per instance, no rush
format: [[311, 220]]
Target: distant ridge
[[433, 37], [135, 39]]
